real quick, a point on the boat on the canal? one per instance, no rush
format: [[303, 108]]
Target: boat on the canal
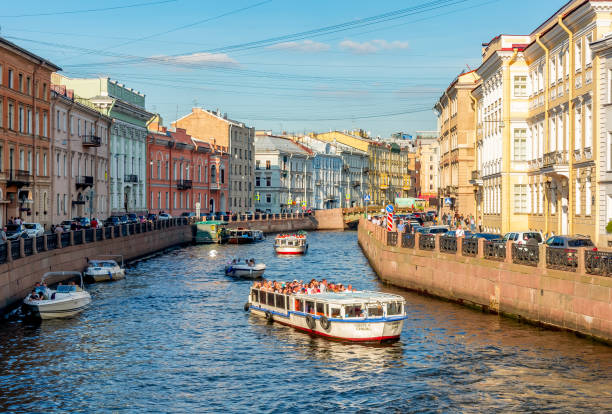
[[346, 316], [62, 302], [105, 269], [211, 231], [240, 236], [248, 269], [291, 243], [258, 235]]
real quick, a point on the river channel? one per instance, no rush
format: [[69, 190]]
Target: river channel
[[173, 337]]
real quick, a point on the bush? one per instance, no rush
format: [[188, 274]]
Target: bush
[[609, 227]]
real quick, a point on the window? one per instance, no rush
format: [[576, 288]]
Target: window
[[588, 126], [520, 86], [394, 308], [268, 198], [44, 94], [520, 198], [268, 164], [45, 121], [609, 152], [1, 110], [28, 86], [167, 201], [257, 162], [21, 160], [577, 128], [587, 197], [29, 121], [520, 144], [10, 79], [257, 181], [21, 119], [268, 181], [578, 55], [175, 201], [11, 116], [20, 82], [578, 194], [167, 174], [588, 55]]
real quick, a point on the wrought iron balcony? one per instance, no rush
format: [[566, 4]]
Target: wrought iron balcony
[[19, 178], [214, 185], [130, 178], [84, 181], [184, 184], [91, 140]]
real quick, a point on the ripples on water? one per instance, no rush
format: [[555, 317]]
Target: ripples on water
[[172, 337]]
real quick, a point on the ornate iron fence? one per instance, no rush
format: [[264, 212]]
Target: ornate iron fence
[[40, 243], [526, 254], [391, 238], [448, 244], [408, 240], [469, 247], [124, 229], [598, 263], [427, 242], [90, 234], [3, 250], [117, 231], [66, 239], [108, 231], [562, 259], [494, 250], [99, 233], [52, 242], [28, 246], [15, 249], [78, 237]]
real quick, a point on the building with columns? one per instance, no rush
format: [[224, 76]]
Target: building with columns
[[128, 155], [79, 164]]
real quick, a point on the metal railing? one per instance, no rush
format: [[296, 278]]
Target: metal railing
[[91, 140], [408, 240], [469, 247], [448, 244], [84, 181], [184, 184], [108, 232], [89, 235], [130, 178], [526, 254], [52, 242], [562, 259], [78, 237], [391, 238], [40, 243], [28, 246], [99, 234], [65, 239], [15, 249], [427, 242], [3, 251], [494, 250], [598, 263], [116, 231]]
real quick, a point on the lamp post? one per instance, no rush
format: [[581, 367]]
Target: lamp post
[[150, 186]]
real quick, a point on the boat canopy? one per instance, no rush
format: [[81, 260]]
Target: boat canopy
[[350, 297]]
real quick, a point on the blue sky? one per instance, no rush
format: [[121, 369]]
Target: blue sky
[[382, 76]]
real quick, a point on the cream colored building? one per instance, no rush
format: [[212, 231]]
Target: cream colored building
[[429, 158], [456, 142]]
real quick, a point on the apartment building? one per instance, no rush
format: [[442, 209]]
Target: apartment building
[[25, 133], [185, 174], [80, 151], [217, 129], [429, 158], [456, 140]]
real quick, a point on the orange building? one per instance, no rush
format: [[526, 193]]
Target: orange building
[[25, 184]]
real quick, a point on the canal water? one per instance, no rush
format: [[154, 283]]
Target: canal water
[[173, 337]]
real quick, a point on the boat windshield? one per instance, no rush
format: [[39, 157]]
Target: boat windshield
[[394, 308], [66, 288], [103, 264]]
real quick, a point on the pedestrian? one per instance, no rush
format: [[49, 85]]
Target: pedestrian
[[459, 232], [472, 224]]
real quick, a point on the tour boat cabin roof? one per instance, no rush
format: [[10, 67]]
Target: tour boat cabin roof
[[350, 297]]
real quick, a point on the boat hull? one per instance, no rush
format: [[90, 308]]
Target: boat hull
[[61, 308], [105, 277], [241, 240], [246, 272], [291, 249], [359, 331]]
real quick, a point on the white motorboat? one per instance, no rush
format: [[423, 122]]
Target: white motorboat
[[346, 316], [105, 270], [291, 243], [63, 302], [246, 269]]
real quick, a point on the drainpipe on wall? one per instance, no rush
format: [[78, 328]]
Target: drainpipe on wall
[[506, 143], [546, 129], [570, 125]]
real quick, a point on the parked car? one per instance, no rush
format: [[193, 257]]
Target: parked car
[[14, 231], [82, 222], [133, 218], [569, 242], [112, 221], [437, 229], [453, 233], [188, 214], [165, 216], [124, 219], [522, 237], [142, 219], [152, 217], [34, 229], [66, 225], [486, 236]]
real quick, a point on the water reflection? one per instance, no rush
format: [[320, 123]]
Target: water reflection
[[173, 336]]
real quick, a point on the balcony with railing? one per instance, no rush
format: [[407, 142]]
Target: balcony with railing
[[91, 140], [214, 185], [184, 184], [84, 181], [130, 178], [555, 158], [18, 178]]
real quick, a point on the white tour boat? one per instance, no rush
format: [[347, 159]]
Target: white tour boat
[[63, 302], [291, 243], [105, 270], [245, 269], [347, 316]]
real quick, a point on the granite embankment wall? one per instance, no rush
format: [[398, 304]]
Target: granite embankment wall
[[487, 275], [285, 222], [25, 261]]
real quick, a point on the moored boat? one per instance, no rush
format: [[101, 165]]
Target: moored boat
[[258, 235], [291, 243], [240, 236], [346, 316], [248, 269], [63, 302], [105, 269]]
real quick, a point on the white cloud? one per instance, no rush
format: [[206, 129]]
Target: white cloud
[[372, 46], [306, 46], [197, 59]]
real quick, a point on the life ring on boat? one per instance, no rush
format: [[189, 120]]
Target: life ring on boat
[[246, 306], [325, 323], [269, 317], [311, 322]]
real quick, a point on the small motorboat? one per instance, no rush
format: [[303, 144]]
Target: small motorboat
[[291, 243], [240, 236], [63, 302], [248, 269], [258, 235], [101, 269]]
